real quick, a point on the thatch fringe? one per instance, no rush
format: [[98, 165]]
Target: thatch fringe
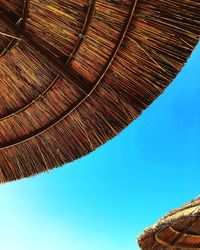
[[82, 71]]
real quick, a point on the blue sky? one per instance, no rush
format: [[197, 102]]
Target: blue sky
[[104, 200]]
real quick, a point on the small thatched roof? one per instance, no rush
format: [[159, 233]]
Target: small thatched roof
[[179, 229], [75, 73]]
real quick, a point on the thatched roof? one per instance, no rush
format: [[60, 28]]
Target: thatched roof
[[75, 73], [179, 229]]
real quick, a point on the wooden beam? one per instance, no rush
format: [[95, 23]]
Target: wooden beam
[[25, 12], [7, 34], [11, 44]]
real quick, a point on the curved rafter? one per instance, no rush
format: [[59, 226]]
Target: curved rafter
[[96, 83], [72, 55], [85, 28], [174, 243], [189, 233]]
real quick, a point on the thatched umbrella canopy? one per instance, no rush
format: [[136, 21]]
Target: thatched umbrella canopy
[[75, 73], [179, 229]]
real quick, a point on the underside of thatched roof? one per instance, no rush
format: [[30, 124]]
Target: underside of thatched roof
[[75, 73], [179, 229]]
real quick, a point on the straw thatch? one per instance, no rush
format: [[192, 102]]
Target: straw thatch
[[179, 229], [75, 73]]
